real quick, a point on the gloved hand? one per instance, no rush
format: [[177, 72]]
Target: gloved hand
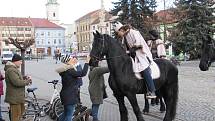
[[132, 52]]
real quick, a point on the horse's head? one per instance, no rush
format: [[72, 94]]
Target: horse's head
[[208, 54], [99, 48]]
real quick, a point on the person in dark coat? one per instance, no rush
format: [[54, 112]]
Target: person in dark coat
[[69, 92], [1, 93], [96, 87]]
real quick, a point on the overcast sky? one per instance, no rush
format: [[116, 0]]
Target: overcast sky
[[69, 10]]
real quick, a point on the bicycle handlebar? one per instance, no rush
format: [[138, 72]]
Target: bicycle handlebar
[[54, 81]]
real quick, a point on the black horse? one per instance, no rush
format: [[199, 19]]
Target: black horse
[[124, 83], [208, 54]]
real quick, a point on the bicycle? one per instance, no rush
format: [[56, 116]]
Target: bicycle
[[55, 98], [55, 107], [32, 107]]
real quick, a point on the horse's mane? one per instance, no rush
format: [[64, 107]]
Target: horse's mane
[[115, 41]]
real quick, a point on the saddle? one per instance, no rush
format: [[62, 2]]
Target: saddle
[[155, 71]]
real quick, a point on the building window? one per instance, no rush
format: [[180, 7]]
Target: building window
[[42, 41], [27, 29], [6, 43], [54, 41], [59, 34], [38, 42], [59, 41], [89, 37], [27, 35], [4, 35], [20, 29], [94, 27], [42, 33], [48, 33], [48, 41], [53, 14], [106, 24]]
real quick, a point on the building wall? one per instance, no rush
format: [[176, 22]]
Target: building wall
[[83, 30], [70, 37], [20, 32], [84, 34], [48, 39]]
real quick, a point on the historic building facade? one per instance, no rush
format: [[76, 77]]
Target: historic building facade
[[48, 36], [20, 28]]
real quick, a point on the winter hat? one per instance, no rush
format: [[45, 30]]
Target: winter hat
[[117, 26], [154, 33], [65, 59], [16, 57]]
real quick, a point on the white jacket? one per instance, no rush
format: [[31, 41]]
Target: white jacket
[[134, 38]]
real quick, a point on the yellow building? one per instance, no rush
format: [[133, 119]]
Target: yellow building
[[83, 30]]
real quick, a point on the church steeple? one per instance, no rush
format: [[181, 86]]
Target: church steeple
[[52, 11]]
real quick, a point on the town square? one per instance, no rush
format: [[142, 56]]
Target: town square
[[107, 60]]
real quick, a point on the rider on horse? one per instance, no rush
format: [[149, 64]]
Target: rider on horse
[[140, 53], [156, 45]]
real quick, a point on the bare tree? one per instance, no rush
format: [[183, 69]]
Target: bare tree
[[22, 43]]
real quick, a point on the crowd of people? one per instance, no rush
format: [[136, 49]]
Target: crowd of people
[[71, 73]]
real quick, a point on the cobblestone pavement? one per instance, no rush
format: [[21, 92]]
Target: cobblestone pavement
[[196, 93]]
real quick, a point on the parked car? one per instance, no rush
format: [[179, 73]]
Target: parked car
[[6, 56]]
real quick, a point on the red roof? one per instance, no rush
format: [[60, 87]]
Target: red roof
[[166, 16], [33, 22], [89, 14], [43, 23], [13, 21]]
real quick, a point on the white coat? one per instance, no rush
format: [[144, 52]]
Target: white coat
[[134, 38]]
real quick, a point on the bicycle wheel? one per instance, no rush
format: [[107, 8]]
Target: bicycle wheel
[[58, 108]]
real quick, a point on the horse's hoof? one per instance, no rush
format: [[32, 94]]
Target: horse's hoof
[[162, 109], [145, 111]]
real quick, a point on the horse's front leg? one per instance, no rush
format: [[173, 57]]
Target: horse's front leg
[[133, 100], [162, 105], [122, 109]]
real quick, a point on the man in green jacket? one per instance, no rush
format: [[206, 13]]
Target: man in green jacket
[[96, 87], [15, 87]]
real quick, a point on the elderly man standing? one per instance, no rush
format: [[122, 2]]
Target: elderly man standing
[[15, 87]]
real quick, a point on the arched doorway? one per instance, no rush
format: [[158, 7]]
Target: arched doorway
[[49, 52]]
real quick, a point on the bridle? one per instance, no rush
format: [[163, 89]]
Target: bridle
[[99, 58]]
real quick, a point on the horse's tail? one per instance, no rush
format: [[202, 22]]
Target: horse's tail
[[175, 99], [174, 93]]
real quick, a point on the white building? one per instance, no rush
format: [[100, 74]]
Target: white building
[[71, 44], [48, 36]]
